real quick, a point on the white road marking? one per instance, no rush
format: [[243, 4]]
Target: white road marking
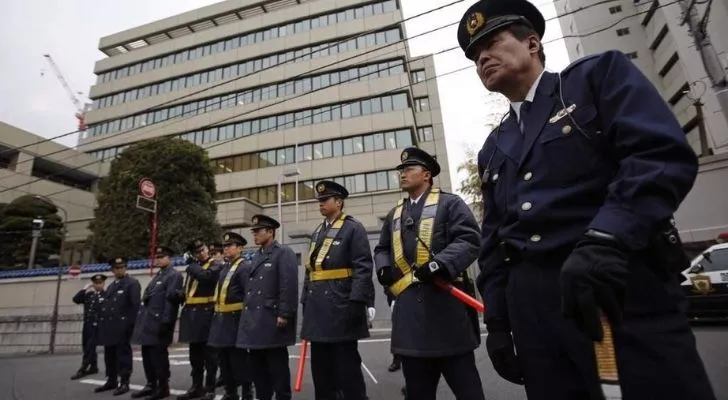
[[171, 361], [370, 373]]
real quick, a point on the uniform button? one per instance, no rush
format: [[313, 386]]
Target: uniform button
[[528, 176], [248, 291], [526, 206], [566, 129], [535, 238], [495, 177], [250, 279], [259, 292], [261, 277]]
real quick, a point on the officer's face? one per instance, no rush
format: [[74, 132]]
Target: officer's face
[[329, 206], [232, 251], [413, 177], [161, 261], [502, 60], [98, 286], [262, 236], [119, 271], [203, 253]]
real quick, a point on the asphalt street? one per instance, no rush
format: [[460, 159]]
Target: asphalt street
[[47, 376]]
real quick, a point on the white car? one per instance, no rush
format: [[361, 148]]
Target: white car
[[706, 284]]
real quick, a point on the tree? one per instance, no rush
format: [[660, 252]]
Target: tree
[[16, 232], [470, 186], [186, 208]]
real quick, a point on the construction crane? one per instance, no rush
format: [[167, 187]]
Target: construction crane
[[80, 107]]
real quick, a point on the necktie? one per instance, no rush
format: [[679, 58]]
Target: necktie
[[525, 108]]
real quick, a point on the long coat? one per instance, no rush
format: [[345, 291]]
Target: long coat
[[119, 304], [196, 316], [224, 327], [328, 303], [270, 292], [427, 321], [157, 309]]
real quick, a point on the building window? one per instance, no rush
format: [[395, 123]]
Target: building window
[[422, 104], [632, 55], [622, 31], [418, 76], [425, 134], [615, 9]]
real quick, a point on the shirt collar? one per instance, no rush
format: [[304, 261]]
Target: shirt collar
[[516, 106], [415, 200]]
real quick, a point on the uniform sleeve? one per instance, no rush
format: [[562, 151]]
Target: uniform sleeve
[[135, 299], [304, 288], [463, 236], [79, 297], [170, 309], [383, 249], [657, 167], [210, 274], [288, 284], [362, 286]]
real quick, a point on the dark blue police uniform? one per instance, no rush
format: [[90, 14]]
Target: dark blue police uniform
[[271, 292], [434, 333], [229, 294], [336, 290], [89, 335], [119, 304], [584, 190]]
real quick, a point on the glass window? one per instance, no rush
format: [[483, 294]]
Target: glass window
[[337, 148], [390, 141], [368, 143], [716, 261], [393, 179], [404, 139], [378, 141]]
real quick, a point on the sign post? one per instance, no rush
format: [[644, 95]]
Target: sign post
[[147, 201]]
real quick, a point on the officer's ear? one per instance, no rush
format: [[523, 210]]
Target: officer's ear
[[534, 45]]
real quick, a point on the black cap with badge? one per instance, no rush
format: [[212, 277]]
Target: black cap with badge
[[117, 262], [326, 189], [415, 156], [98, 278], [488, 16], [196, 246], [264, 221], [233, 238], [164, 251]]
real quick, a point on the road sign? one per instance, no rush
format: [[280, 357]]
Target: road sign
[[74, 270], [147, 188], [146, 204]]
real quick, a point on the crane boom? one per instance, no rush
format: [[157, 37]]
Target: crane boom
[[80, 111]]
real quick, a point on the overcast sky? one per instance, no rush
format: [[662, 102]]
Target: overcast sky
[[69, 30]]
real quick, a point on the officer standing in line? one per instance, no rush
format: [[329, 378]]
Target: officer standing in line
[[119, 304], [203, 273], [580, 183], [89, 296], [154, 329], [216, 251], [336, 290], [229, 294], [268, 324], [430, 235]]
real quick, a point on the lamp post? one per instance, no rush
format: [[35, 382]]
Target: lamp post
[[59, 276], [286, 173]]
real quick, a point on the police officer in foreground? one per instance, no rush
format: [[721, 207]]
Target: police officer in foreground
[[430, 235], [119, 304], [154, 329], [229, 294], [90, 297], [203, 273], [268, 324], [336, 290], [580, 182]]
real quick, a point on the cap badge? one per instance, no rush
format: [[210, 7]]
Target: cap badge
[[119, 261], [475, 21], [405, 155], [227, 237], [321, 188], [255, 220]]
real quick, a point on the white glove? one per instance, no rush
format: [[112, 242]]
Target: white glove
[[371, 312], [391, 306], [87, 287]]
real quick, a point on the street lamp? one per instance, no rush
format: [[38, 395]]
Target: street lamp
[[286, 173], [59, 276]]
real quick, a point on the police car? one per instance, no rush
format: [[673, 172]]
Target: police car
[[706, 284]]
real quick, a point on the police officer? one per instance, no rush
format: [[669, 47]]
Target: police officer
[[89, 296], [203, 273], [579, 183], [336, 290], [119, 304], [268, 324], [229, 294], [154, 327], [430, 235]]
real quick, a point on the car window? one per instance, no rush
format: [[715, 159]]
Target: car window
[[718, 261]]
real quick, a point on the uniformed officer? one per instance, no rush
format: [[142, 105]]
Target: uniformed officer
[[154, 329], [580, 182], [336, 290], [268, 324], [89, 296], [203, 273], [430, 235], [229, 294], [119, 304]]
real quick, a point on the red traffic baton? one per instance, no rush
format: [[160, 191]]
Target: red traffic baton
[[301, 364], [460, 295]]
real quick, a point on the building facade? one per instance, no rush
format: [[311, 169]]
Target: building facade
[[279, 92]]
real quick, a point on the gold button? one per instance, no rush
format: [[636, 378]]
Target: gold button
[[526, 206], [535, 238], [566, 129], [528, 176]]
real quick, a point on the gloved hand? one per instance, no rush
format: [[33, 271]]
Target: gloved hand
[[165, 331], [176, 297], [189, 259], [499, 344], [371, 313], [593, 279], [431, 270], [385, 276], [356, 313], [88, 287]]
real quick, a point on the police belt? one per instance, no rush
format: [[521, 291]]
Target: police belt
[[200, 300], [329, 274], [409, 279], [228, 308]]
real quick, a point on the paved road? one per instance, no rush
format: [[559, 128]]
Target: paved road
[[47, 377]]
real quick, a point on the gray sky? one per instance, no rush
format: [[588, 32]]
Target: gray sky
[[69, 30]]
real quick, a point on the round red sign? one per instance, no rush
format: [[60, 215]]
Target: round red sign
[[147, 188], [74, 270]]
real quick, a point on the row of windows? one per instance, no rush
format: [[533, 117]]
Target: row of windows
[[250, 66], [358, 183], [374, 105], [288, 88], [398, 139], [232, 43]]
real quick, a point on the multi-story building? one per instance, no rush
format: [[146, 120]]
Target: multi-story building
[[280, 92]]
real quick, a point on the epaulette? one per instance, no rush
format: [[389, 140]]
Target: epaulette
[[350, 218], [579, 62]]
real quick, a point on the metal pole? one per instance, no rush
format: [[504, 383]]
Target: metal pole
[[33, 247], [296, 197], [705, 150], [153, 243], [280, 204], [59, 277]]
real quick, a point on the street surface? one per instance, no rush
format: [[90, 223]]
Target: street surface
[[47, 377]]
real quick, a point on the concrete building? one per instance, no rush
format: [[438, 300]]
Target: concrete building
[[284, 90], [31, 165]]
